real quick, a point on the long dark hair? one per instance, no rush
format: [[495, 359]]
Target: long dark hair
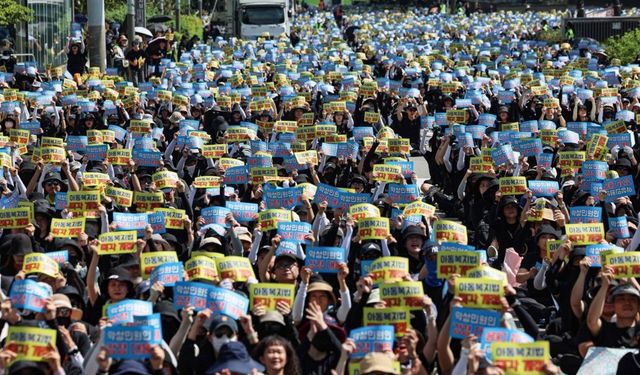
[[293, 364]]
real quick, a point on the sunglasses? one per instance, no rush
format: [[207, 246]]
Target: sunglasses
[[286, 266], [53, 183]]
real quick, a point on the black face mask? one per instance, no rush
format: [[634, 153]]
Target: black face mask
[[322, 343], [63, 321], [268, 329]]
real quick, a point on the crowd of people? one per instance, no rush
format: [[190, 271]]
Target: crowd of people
[[255, 207]]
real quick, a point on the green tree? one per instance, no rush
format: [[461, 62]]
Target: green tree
[[12, 13], [623, 47]]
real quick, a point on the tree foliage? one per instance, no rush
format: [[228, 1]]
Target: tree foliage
[[624, 47], [12, 13]]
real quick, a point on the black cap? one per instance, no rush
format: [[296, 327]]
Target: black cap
[[16, 244], [223, 321], [548, 229], [412, 230]]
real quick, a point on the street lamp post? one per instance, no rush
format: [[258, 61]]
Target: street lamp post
[[97, 42]]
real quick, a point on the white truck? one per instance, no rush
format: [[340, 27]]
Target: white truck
[[249, 19]]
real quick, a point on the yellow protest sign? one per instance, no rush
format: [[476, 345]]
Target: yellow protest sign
[[513, 185], [570, 161], [201, 267], [387, 173], [457, 116], [112, 243], [147, 201], [52, 155], [585, 234], [51, 142], [207, 182], [373, 228], [30, 343], [483, 293], [371, 117], [269, 294], [597, 146], [239, 134], [214, 151], [306, 157], [84, 202], [285, 126], [398, 317], [363, 210], [173, 218], [549, 137], [95, 179], [452, 262], [119, 156], [326, 130], [625, 264], [389, 269], [521, 358], [67, 228], [122, 197], [399, 146], [258, 175], [477, 165], [40, 263], [94, 137], [165, 179], [552, 247], [408, 294], [226, 163], [450, 231], [235, 268], [419, 208], [269, 219], [140, 126], [616, 127], [486, 271], [14, 218], [149, 261]]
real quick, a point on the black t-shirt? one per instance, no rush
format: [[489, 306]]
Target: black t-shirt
[[134, 55], [629, 364], [611, 336]]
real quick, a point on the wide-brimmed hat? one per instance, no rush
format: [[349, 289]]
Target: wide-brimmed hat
[[234, 357], [377, 362]]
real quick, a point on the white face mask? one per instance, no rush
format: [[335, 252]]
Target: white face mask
[[218, 342]]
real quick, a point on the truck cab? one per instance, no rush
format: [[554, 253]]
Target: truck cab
[[256, 17]]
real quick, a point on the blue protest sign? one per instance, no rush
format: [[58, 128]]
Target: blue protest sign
[[328, 193], [372, 339], [153, 320], [487, 119], [347, 199], [96, 152], [243, 212], [620, 139], [29, 295], [619, 187], [236, 175], [119, 132], [500, 334], [294, 231], [359, 132], [285, 198], [61, 256], [130, 342], [619, 227], [325, 259], [146, 158], [189, 293], [157, 222], [403, 194], [61, 200], [593, 170], [259, 161], [215, 215], [477, 131], [126, 221], [77, 143], [167, 273], [545, 159], [227, 302], [502, 154], [585, 214], [32, 126], [124, 311], [593, 252], [541, 188], [466, 321], [529, 126], [546, 124], [528, 146], [407, 167]]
